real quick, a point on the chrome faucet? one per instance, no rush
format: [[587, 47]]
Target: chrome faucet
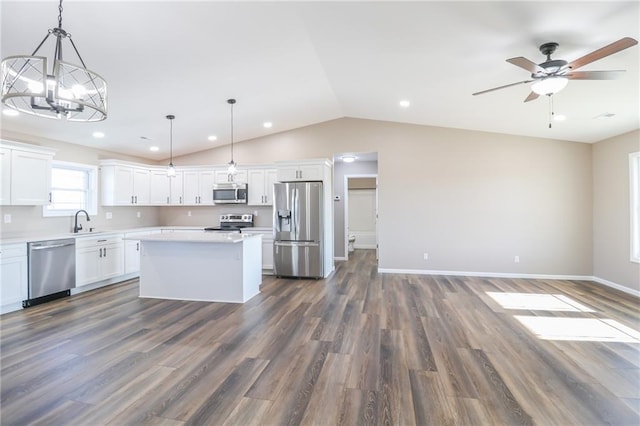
[[77, 227]]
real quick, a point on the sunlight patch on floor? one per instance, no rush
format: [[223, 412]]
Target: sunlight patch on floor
[[579, 329], [538, 302]]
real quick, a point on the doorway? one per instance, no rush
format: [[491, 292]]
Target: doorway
[[361, 212]]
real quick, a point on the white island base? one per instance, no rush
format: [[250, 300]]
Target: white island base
[[210, 267]]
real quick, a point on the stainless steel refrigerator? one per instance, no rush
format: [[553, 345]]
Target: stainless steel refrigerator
[[298, 229]]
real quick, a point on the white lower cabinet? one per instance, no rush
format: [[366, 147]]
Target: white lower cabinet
[[13, 276], [99, 258], [267, 248], [132, 251]]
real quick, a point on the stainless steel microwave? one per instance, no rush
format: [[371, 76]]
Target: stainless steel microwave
[[230, 193]]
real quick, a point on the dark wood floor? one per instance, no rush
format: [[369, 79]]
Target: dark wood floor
[[359, 348]]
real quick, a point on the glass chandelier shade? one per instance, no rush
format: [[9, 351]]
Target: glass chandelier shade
[[171, 170], [549, 85], [67, 90], [232, 166]]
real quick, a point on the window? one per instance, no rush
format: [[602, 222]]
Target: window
[[634, 201], [73, 187]]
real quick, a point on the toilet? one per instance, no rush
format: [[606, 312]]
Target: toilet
[[352, 241]]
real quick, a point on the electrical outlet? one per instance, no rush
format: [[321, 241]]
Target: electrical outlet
[[138, 214], [7, 218], [516, 259], [426, 256], [189, 213], [109, 215]]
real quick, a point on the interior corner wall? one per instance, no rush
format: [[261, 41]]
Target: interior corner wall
[[611, 211], [472, 200]]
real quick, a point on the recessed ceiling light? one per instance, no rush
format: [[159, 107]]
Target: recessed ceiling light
[[10, 112], [405, 103], [349, 158], [559, 117], [98, 135], [154, 148], [212, 138], [268, 124]]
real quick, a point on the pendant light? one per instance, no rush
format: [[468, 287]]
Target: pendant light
[[232, 164], [64, 90], [171, 170]]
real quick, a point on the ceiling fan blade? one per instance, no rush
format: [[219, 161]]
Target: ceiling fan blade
[[610, 49], [502, 87], [594, 75], [532, 96], [528, 65]]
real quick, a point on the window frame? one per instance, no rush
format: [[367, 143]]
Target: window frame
[[91, 205], [634, 207]]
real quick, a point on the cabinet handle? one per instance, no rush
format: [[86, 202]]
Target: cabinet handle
[[137, 246], [132, 199], [50, 199], [167, 200], [180, 199], [105, 252], [136, 199], [99, 252]]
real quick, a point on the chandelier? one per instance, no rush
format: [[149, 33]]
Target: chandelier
[[67, 90]]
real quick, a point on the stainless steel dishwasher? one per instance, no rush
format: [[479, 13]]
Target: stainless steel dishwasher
[[52, 270]]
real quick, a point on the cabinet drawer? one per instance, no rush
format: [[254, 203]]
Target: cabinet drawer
[[13, 250], [99, 241]]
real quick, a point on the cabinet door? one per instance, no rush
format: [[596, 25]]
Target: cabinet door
[[310, 172], [87, 265], [206, 180], [177, 190], [159, 192], [267, 253], [30, 178], [123, 186], [13, 285], [256, 187], [287, 173], [141, 186], [270, 177], [112, 261], [191, 187], [5, 176], [131, 256]]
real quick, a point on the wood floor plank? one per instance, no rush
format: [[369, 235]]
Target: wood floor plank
[[358, 348]]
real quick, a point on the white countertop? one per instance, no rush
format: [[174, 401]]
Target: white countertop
[[197, 237], [44, 237]]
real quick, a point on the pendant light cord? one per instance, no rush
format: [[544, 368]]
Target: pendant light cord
[[60, 15], [231, 102]]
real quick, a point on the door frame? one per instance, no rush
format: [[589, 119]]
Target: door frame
[[346, 209]]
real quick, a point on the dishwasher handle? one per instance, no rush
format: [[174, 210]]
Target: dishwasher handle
[[51, 246]]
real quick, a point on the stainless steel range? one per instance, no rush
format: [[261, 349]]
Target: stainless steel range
[[232, 222]]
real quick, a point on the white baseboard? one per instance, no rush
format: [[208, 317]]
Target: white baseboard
[[616, 286], [512, 275], [364, 246]]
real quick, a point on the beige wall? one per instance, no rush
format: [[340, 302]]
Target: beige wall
[[611, 211], [28, 220], [476, 199]]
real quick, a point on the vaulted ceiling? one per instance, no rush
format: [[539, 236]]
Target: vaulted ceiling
[[299, 63]]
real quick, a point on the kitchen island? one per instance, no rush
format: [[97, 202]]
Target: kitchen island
[[201, 266]]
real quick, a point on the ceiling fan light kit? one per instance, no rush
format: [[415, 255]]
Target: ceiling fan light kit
[[553, 75], [68, 90]]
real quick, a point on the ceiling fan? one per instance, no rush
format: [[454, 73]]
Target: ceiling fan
[[552, 75]]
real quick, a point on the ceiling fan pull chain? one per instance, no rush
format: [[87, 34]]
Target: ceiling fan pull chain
[[550, 110]]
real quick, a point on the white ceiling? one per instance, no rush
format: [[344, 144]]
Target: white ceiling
[[300, 63]]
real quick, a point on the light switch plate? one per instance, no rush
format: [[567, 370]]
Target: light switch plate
[[7, 218], [109, 215]]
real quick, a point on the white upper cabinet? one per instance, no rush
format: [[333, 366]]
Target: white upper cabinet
[[198, 187], [159, 187], [125, 185], [223, 177], [26, 174], [313, 170], [176, 192], [260, 186]]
